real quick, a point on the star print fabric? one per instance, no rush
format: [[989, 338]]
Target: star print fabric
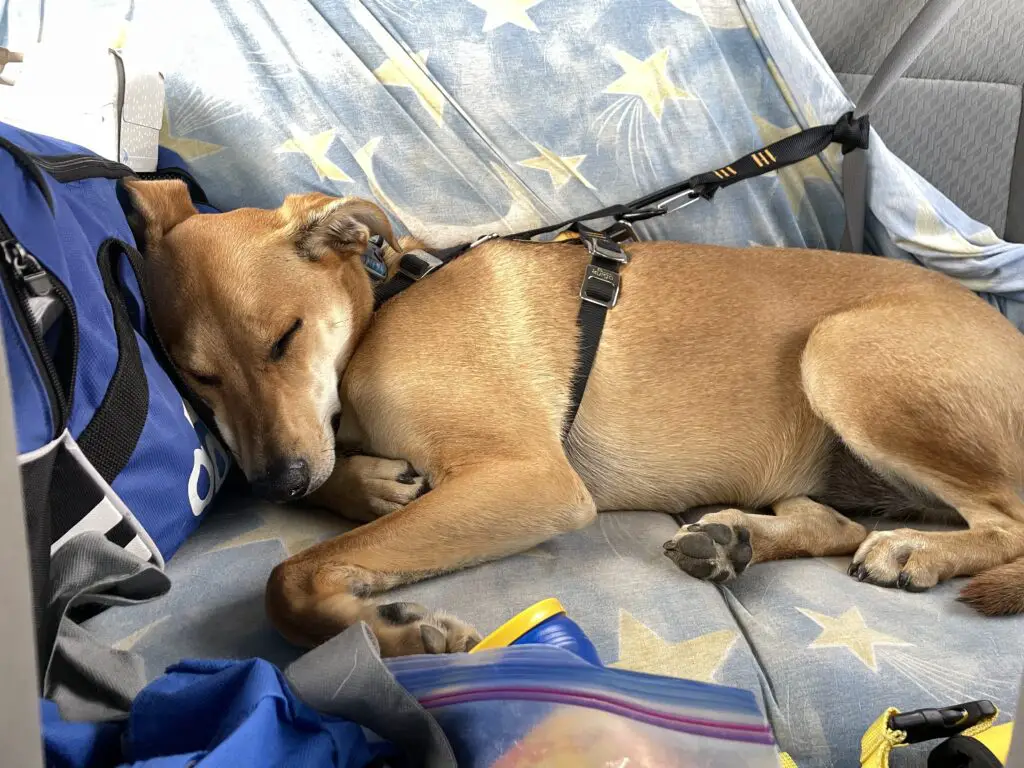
[[465, 117]]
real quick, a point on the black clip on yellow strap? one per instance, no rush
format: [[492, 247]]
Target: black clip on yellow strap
[[928, 724], [898, 729]]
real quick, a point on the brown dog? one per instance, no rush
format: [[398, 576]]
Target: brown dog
[[759, 377]]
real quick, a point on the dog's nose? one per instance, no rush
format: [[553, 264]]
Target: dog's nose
[[284, 480]]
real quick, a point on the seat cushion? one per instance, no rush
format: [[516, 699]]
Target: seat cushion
[[825, 653]]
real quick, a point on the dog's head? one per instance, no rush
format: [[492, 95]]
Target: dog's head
[[260, 311]]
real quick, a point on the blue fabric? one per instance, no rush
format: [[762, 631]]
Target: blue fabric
[[78, 745], [177, 466], [223, 713]]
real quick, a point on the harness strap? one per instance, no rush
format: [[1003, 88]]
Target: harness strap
[[413, 267], [598, 294]]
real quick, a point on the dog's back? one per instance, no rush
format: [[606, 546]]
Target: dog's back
[[722, 376]]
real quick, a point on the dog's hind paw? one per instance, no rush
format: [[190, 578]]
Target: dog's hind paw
[[712, 551], [904, 558], [404, 629]]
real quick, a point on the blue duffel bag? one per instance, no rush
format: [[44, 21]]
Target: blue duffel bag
[[106, 443]]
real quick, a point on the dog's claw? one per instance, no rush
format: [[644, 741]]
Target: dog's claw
[[903, 580], [434, 640], [408, 477]]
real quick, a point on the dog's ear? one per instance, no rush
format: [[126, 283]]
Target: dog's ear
[[321, 225], [159, 206]]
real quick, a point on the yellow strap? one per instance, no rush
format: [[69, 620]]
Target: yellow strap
[[880, 740], [997, 739]]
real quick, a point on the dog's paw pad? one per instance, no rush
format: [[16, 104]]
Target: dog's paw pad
[[711, 551], [408, 628], [904, 559]]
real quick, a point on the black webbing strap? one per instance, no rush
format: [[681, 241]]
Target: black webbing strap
[[413, 267], [598, 294], [601, 282], [850, 132]]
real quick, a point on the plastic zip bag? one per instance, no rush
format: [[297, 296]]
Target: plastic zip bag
[[531, 706]]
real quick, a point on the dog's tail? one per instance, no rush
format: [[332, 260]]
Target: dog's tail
[[998, 591]]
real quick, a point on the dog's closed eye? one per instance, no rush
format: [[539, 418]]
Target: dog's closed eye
[[206, 379], [281, 345]]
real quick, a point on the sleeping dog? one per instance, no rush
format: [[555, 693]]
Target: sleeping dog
[[811, 383]]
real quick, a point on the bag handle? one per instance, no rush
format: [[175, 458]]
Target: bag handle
[[110, 437]]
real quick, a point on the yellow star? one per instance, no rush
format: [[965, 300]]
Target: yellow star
[[507, 12], [561, 169], [641, 650], [189, 149], [793, 178], [297, 528], [405, 71], [315, 148], [647, 79], [720, 14], [849, 631]]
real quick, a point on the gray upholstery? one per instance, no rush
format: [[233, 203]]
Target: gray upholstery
[[956, 116]]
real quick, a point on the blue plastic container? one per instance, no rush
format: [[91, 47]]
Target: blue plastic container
[[543, 623]]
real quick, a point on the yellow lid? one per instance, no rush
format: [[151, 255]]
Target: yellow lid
[[520, 624]]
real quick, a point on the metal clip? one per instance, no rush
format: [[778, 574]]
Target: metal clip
[[482, 239], [621, 232], [692, 196], [604, 247]]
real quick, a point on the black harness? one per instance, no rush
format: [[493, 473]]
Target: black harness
[[599, 291]]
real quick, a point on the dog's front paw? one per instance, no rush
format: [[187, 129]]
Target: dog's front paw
[[409, 628], [387, 485], [904, 558], [712, 551]]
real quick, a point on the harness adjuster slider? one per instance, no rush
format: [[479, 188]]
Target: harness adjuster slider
[[605, 248], [418, 264], [928, 724], [600, 286]]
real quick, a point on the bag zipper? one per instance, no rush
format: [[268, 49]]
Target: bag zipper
[[25, 277]]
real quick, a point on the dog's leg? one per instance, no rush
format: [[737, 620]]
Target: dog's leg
[[723, 544], [476, 514], [918, 560], [363, 488], [935, 398]]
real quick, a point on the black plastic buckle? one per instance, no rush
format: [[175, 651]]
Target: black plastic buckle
[[927, 724], [600, 286], [418, 264]]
